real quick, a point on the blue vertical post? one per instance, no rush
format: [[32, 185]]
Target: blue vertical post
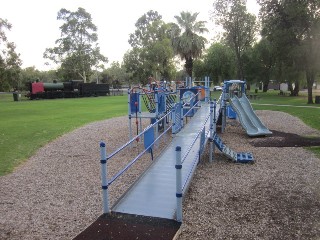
[[129, 113], [214, 115], [139, 110], [156, 101], [173, 112], [181, 114], [207, 89], [211, 132], [104, 181], [223, 106], [214, 126], [178, 184]]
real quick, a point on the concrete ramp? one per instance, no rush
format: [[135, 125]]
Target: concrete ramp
[[248, 119]]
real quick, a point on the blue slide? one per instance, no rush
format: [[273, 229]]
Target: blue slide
[[248, 119]]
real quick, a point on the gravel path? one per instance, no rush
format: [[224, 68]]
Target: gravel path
[[56, 193]]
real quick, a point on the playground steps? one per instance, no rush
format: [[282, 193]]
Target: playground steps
[[240, 157]]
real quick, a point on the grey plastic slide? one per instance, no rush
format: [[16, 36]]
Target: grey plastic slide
[[248, 119]]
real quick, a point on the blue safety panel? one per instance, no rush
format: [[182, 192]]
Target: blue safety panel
[[231, 113], [154, 193], [148, 138], [161, 102], [177, 118], [186, 94], [134, 103]]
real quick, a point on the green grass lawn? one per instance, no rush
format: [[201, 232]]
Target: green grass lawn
[[308, 113], [27, 125]]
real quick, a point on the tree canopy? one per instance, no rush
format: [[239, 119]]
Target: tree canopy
[[151, 52], [10, 61], [294, 29], [185, 39], [77, 50], [218, 63], [240, 28]]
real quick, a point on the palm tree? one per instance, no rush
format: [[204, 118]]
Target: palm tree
[[185, 39]]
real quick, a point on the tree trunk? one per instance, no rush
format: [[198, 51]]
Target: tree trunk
[[265, 86], [310, 80], [189, 65], [295, 91], [239, 67], [290, 88], [84, 76]]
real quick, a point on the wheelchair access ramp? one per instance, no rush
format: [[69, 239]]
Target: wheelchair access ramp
[[154, 193]]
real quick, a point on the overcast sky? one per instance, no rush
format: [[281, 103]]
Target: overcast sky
[[35, 26]]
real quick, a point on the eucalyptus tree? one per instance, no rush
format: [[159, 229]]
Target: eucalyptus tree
[[116, 73], [136, 66], [10, 61], [186, 39], [151, 51], [219, 62], [240, 28], [294, 28], [77, 50], [261, 65]]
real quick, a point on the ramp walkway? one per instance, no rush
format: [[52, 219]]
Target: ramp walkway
[[154, 193], [248, 119]]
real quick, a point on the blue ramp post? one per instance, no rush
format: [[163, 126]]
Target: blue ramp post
[[104, 182], [178, 184]]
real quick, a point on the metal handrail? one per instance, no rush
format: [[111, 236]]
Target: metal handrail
[[136, 158], [138, 136], [194, 140]]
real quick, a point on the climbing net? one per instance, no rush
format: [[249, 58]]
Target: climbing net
[[149, 100]]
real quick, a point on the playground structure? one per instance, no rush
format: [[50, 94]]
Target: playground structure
[[158, 192], [234, 93], [159, 100]]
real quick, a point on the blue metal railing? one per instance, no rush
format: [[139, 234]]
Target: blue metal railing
[[189, 149], [105, 158], [181, 188], [136, 158]]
